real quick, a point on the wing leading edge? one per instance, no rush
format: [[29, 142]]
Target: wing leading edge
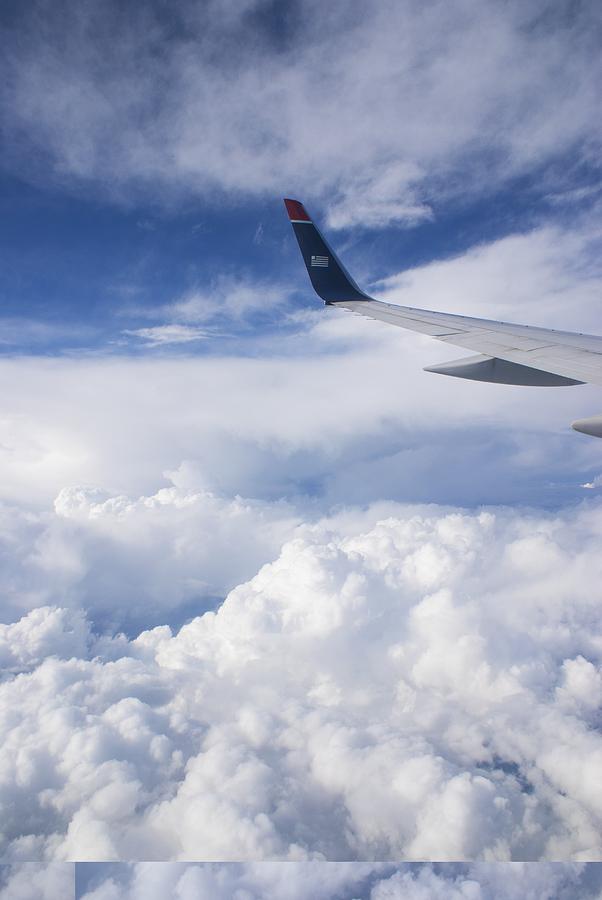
[[505, 353]]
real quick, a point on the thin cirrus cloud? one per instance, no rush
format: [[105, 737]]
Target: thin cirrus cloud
[[432, 101], [398, 684], [160, 335], [230, 298], [227, 307]]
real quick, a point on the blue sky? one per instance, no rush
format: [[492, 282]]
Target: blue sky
[[82, 271], [88, 278], [156, 316], [126, 185], [217, 496]]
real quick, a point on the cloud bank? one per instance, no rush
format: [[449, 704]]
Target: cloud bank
[[37, 881], [343, 881], [424, 685], [131, 562], [322, 399], [243, 99], [145, 489]]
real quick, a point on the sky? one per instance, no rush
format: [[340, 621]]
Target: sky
[[270, 590]]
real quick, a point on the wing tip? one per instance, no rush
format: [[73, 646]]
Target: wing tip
[[296, 211]]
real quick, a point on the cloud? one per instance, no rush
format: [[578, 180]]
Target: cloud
[[228, 304], [335, 401], [490, 882], [289, 881], [393, 197], [418, 103], [36, 881], [343, 881], [383, 680], [133, 487], [423, 685], [132, 561], [160, 335], [227, 298], [541, 276], [45, 631], [593, 484], [22, 332]]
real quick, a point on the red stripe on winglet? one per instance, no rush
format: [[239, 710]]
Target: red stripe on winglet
[[296, 210]]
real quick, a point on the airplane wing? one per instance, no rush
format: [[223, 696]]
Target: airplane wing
[[505, 353]]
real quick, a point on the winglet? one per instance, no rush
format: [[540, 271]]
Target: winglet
[[329, 277], [296, 211]]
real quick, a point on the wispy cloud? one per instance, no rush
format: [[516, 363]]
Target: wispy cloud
[[417, 103], [258, 236], [160, 335], [26, 333], [231, 298]]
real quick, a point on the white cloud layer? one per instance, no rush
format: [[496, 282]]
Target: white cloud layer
[[419, 685], [344, 881], [37, 881], [397, 682], [124, 480], [427, 101], [319, 405], [131, 562]]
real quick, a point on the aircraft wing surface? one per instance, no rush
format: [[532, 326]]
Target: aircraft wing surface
[[506, 353], [575, 357]]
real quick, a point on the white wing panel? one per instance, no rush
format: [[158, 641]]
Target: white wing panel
[[577, 356]]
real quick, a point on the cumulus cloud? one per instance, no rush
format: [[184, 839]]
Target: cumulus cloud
[[247, 881], [456, 97], [344, 881], [130, 562], [37, 881], [423, 684], [491, 882], [45, 631]]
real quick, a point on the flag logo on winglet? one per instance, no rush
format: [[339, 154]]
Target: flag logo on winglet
[[319, 261]]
